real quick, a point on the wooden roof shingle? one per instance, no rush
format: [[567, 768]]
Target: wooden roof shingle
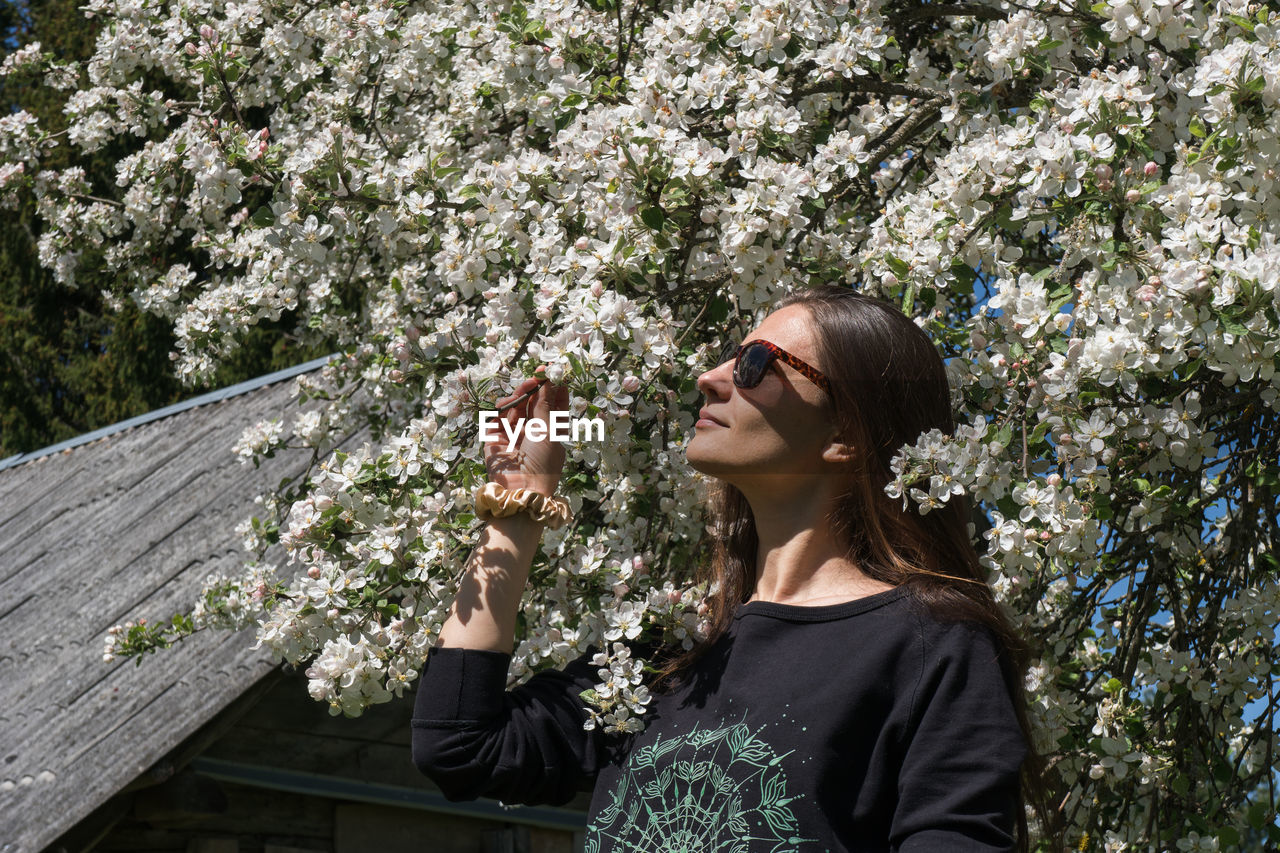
[[126, 525]]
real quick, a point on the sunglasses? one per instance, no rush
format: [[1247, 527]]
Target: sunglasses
[[751, 361]]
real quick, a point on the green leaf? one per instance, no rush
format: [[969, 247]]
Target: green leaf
[[653, 217], [900, 267], [263, 217], [1242, 22], [1197, 128], [1230, 324]]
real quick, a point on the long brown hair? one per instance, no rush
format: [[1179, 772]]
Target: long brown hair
[[889, 386]]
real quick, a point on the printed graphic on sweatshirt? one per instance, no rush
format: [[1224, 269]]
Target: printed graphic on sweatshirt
[[709, 790]]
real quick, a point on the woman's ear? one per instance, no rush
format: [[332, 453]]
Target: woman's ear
[[839, 449]]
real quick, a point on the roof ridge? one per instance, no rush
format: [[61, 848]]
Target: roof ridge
[[155, 415]]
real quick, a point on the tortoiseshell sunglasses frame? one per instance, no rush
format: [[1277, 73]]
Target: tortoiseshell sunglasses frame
[[776, 352]]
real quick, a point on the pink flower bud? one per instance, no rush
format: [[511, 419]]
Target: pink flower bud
[[597, 289], [412, 333], [1102, 171], [1151, 168], [206, 32], [396, 375], [1054, 479], [189, 48], [631, 383], [264, 133], [1133, 196], [1044, 536], [1154, 280], [314, 572]]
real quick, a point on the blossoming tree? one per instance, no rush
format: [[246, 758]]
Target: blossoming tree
[[1077, 201]]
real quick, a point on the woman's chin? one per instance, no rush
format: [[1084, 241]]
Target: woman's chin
[[706, 461]]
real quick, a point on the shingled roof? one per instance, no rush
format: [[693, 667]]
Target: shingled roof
[[123, 523]]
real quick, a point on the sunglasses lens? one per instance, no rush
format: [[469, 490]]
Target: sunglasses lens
[[752, 364], [726, 353]]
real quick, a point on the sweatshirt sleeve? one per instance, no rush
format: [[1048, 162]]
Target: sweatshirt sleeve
[[474, 738], [959, 783]]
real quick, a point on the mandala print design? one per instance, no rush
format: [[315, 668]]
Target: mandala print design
[[718, 790]]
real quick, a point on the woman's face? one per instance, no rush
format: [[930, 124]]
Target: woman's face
[[783, 426]]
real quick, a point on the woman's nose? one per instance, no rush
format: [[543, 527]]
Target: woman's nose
[[708, 379]]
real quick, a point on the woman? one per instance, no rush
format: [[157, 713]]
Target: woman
[[860, 690]]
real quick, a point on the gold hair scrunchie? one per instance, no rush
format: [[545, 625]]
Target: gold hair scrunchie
[[493, 501]]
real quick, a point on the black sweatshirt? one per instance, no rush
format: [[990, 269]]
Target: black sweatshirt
[[861, 726]]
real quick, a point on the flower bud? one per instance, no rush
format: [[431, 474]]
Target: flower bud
[[1151, 168], [631, 383], [189, 48], [396, 375], [206, 32], [314, 572], [597, 289], [1133, 196], [412, 333]]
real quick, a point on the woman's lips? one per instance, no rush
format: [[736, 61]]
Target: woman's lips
[[706, 420]]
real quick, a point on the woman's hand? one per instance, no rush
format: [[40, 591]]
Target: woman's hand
[[534, 465]]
